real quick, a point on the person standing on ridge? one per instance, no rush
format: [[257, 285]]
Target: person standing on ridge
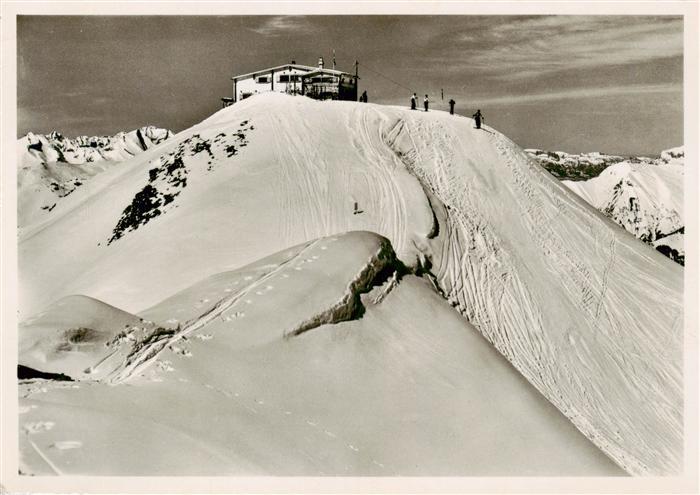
[[413, 101], [425, 102], [363, 97], [478, 118], [452, 106]]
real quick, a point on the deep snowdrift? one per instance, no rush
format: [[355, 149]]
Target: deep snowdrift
[[590, 316]]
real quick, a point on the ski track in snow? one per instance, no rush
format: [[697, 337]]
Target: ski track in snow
[[622, 351], [393, 205], [45, 458], [480, 280], [305, 191], [39, 427], [298, 174]]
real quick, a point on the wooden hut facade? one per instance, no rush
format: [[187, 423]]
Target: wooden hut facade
[[296, 79]]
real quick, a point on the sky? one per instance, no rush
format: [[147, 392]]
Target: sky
[[573, 83]]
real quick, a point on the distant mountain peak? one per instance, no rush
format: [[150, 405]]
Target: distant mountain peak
[[643, 195], [51, 166]]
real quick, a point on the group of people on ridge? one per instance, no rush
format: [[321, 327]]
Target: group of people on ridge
[[414, 100], [477, 116], [426, 103]]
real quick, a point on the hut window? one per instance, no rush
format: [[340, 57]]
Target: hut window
[[321, 79], [288, 78]]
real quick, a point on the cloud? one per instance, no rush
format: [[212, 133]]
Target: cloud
[[579, 93], [281, 25], [530, 47]]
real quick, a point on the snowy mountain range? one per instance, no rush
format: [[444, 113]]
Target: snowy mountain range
[[51, 166], [301, 287], [575, 166], [643, 195]]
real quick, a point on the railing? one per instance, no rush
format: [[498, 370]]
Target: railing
[[322, 91], [291, 90]]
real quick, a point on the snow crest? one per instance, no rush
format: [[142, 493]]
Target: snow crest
[[380, 268]]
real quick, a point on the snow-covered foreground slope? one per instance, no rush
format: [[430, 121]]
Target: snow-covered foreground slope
[[644, 198], [247, 381], [50, 166], [588, 314]]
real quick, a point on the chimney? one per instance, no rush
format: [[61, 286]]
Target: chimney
[[320, 62]]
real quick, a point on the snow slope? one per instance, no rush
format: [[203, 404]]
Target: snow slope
[[588, 314], [51, 166], [410, 388]]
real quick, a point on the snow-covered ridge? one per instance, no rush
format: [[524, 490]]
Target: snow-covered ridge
[[51, 166], [589, 315], [382, 271]]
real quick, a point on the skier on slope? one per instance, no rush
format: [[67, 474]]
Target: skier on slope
[[425, 102], [414, 99], [478, 118], [363, 97], [452, 107]]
